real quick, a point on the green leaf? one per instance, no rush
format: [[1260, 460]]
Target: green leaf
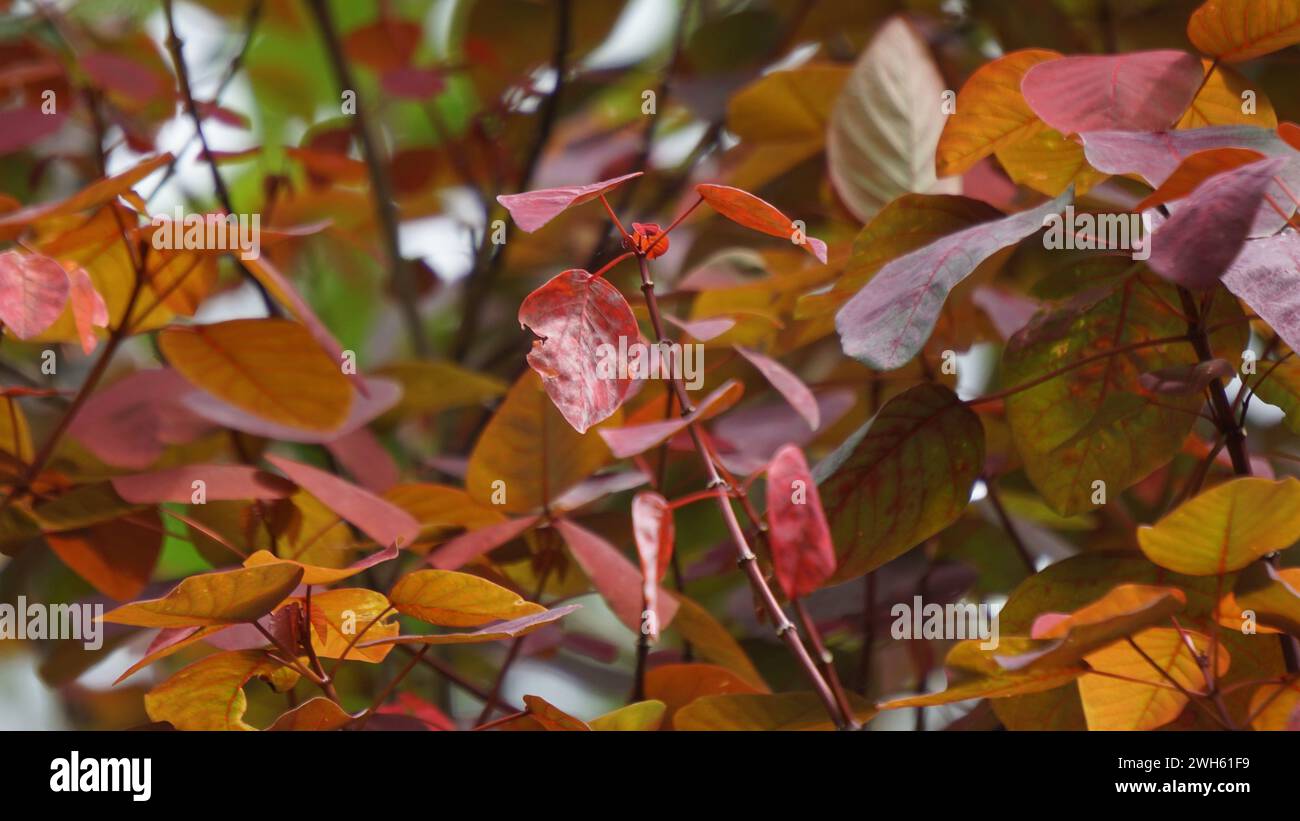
[[901, 478], [1093, 423]]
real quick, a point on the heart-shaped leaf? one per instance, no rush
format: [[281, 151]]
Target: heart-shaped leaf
[[583, 323]]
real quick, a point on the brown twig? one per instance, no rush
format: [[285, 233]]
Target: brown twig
[[380, 186], [218, 184]]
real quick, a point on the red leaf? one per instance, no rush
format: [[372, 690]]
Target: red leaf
[[121, 74], [802, 553], [787, 384], [616, 579], [33, 291], [413, 83], [379, 519], [469, 546], [703, 329], [633, 439], [23, 127], [88, 308], [129, 423], [385, 44], [743, 208], [533, 209], [652, 526], [1139, 91], [222, 482], [1194, 246], [581, 320], [361, 454]]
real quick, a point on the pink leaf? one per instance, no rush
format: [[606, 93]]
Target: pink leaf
[[361, 454], [581, 320], [221, 483], [743, 208], [615, 577], [1007, 310], [787, 384], [633, 439], [23, 127], [1266, 276], [887, 322], [652, 526], [803, 555], [1138, 91], [33, 291], [469, 546], [379, 519], [533, 209], [1155, 156], [1194, 246], [130, 423], [703, 329], [88, 308]]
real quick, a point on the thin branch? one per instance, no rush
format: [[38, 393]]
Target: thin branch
[[381, 188], [218, 184]]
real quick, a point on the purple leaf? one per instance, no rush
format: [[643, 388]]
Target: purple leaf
[[1195, 245], [1266, 276], [1155, 156], [887, 322]]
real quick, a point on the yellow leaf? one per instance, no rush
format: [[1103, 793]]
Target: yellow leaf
[[15, 435], [493, 632], [209, 694], [1115, 704], [676, 685], [229, 597], [1277, 705], [528, 454], [991, 112], [1049, 163], [312, 574], [643, 715], [443, 511], [1225, 528], [432, 387], [552, 717], [763, 711], [271, 368], [340, 616], [1220, 102], [712, 642], [452, 599], [1237, 30], [316, 714], [781, 120], [975, 672], [1122, 611]]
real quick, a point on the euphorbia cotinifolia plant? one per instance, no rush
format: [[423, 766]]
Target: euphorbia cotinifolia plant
[[1010, 445]]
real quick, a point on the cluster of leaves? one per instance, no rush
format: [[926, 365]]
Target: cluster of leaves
[[375, 448]]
